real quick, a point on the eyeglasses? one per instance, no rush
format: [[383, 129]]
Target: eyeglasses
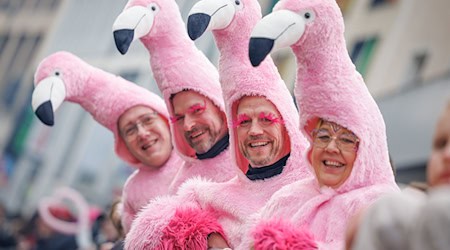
[[145, 122], [346, 141]]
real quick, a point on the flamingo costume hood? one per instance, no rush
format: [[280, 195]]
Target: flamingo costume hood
[[64, 77], [177, 65], [328, 87], [228, 204], [231, 24]]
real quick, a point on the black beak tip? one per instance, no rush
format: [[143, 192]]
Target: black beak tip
[[45, 113], [197, 24], [258, 49], [123, 39]]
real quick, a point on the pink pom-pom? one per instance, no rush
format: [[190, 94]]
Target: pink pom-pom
[[189, 229], [279, 235]]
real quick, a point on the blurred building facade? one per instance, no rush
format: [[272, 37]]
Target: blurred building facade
[[401, 47]]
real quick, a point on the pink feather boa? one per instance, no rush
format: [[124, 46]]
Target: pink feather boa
[[279, 235], [189, 229]]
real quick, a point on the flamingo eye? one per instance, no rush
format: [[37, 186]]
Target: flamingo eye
[[238, 4], [308, 15], [153, 7]]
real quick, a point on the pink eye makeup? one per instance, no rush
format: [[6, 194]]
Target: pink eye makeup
[[269, 118], [244, 120], [241, 120], [174, 119], [197, 108]]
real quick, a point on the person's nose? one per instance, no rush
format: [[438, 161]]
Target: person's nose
[[189, 122], [332, 146], [255, 129], [141, 130]]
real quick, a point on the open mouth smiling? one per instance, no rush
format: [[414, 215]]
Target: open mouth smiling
[[149, 144], [334, 164]]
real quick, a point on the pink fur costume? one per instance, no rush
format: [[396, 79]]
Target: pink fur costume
[[328, 87], [177, 65], [228, 204], [63, 76]]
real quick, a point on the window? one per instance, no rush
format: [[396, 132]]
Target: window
[[362, 54], [54, 4], [377, 3], [16, 143], [415, 68], [15, 6], [18, 64], [4, 4], [269, 8], [45, 4], [3, 41]]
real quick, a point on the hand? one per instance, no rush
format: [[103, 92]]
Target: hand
[[216, 241]]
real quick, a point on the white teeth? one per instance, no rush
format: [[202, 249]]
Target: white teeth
[[333, 163], [151, 143], [199, 133], [258, 144]]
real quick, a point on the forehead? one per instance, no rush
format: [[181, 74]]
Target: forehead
[[185, 99], [134, 113], [255, 104], [334, 127]]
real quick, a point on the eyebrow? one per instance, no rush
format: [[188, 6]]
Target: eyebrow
[[197, 106], [140, 117], [270, 116], [240, 118]]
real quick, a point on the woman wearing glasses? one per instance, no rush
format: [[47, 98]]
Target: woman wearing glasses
[[342, 121], [333, 153]]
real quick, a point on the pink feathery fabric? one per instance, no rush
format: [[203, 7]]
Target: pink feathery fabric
[[234, 201], [144, 184], [178, 65], [106, 97], [329, 87], [189, 229], [280, 235]]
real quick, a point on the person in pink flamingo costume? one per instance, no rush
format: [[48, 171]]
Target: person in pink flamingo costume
[[205, 210], [110, 99], [328, 89], [182, 72]]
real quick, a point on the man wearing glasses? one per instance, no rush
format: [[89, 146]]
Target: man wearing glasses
[[137, 118]]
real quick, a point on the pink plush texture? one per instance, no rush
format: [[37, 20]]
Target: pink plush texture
[[234, 201], [279, 235], [328, 86], [145, 184], [217, 169], [189, 229], [150, 223], [178, 65], [239, 78], [106, 97], [176, 62]]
